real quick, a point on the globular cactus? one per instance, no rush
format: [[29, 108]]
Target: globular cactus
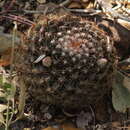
[[67, 61]]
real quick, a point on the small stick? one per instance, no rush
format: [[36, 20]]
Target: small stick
[[8, 8], [65, 3], [19, 19]]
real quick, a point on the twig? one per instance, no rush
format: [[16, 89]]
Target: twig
[[90, 11], [107, 8], [7, 117], [8, 8], [65, 3], [19, 19]]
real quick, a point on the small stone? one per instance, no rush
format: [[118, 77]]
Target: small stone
[[47, 61]]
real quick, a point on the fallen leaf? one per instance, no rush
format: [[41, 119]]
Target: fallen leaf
[[120, 93], [5, 47], [74, 5], [116, 124], [88, 5], [5, 57], [124, 23], [6, 41], [126, 83], [2, 107]]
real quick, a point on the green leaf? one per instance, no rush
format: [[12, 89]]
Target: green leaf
[[120, 93], [10, 91], [7, 86]]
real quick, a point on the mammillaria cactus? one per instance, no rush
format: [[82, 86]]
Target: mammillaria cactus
[[67, 61]]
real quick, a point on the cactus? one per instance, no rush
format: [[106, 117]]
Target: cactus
[[66, 61]]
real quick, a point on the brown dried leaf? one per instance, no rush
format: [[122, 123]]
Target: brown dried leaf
[[124, 23], [126, 83], [88, 5], [5, 57], [74, 5], [2, 107], [116, 124], [120, 93]]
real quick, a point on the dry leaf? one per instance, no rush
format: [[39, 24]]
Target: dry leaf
[[5, 57], [5, 47], [116, 124], [6, 41], [120, 93], [126, 83], [2, 107], [74, 5], [88, 5], [124, 23]]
